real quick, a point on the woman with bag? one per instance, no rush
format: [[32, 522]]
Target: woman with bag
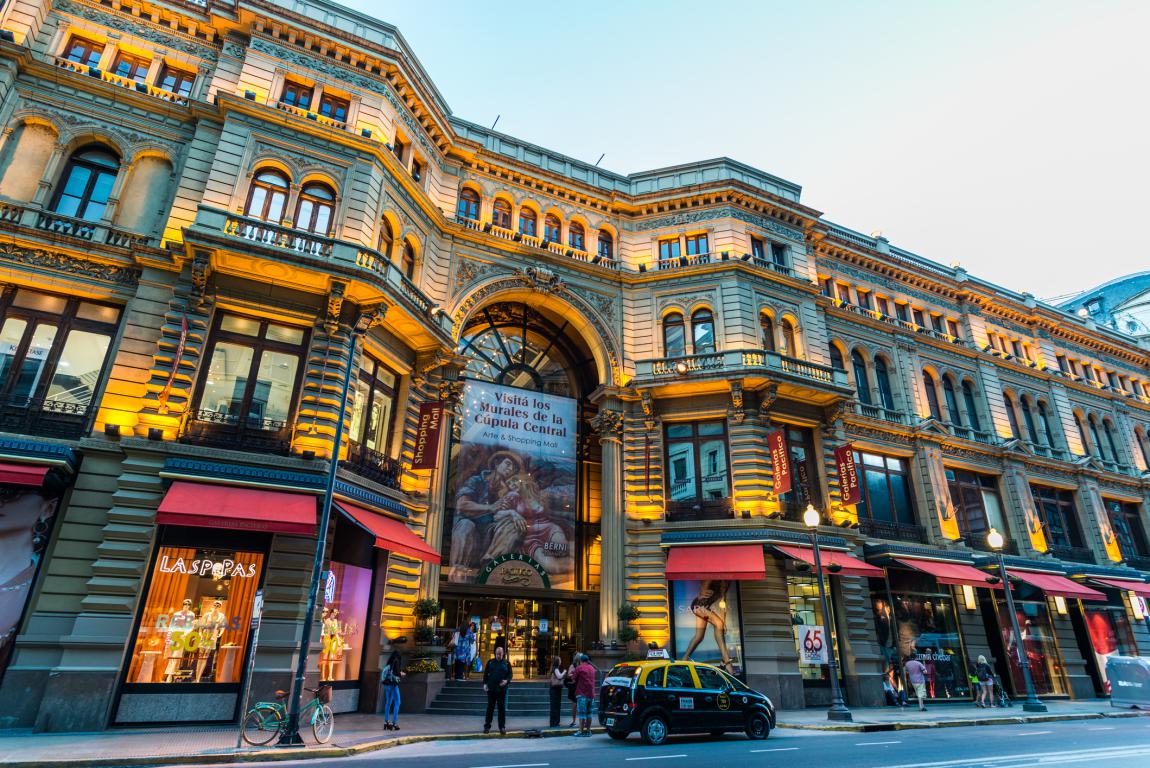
[[462, 650], [392, 674], [555, 681], [985, 677]]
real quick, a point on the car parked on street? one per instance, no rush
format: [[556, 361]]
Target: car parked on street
[[661, 697]]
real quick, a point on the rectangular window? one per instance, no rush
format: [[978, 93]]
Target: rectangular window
[[779, 254], [952, 328], [296, 95], [937, 323], [918, 318], [197, 615], [398, 148], [417, 170], [334, 107], [83, 51], [758, 248], [882, 304], [131, 67], [828, 287], [805, 488], [697, 245], [1074, 368], [864, 299], [373, 406], [1127, 526], [176, 81], [697, 460], [809, 624], [720, 600], [669, 249], [1046, 667], [1061, 363], [843, 291], [977, 505], [1055, 508], [343, 631], [901, 311], [1016, 347], [886, 495]]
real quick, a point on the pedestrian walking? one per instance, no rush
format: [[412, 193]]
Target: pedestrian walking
[[555, 681], [392, 675], [584, 693], [916, 676], [569, 684], [496, 678], [462, 648], [985, 677]]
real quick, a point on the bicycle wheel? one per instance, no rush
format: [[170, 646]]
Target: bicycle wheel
[[261, 725], [323, 724]]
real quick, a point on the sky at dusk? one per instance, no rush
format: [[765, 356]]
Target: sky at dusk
[[1008, 137]]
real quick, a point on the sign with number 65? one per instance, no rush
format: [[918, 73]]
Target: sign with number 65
[[812, 644]]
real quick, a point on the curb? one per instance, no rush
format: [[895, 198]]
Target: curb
[[910, 725]]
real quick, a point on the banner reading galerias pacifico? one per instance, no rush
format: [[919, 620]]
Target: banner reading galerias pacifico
[[849, 488], [780, 464], [511, 501]]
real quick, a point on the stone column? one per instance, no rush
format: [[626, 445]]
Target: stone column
[[450, 393], [609, 425]]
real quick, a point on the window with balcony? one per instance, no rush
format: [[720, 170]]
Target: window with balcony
[[606, 245], [790, 338], [919, 320], [1099, 447], [528, 221], [697, 245], [862, 380], [952, 328], [314, 209], [767, 325], [971, 409], [758, 248], [669, 249], [399, 149], [407, 260], [248, 390], [86, 184], [501, 213], [1111, 441], [176, 81], [334, 107], [779, 254], [53, 351], [267, 196], [83, 51], [951, 398], [697, 467], [372, 402], [837, 361], [1044, 417], [131, 67], [702, 331], [386, 238], [552, 228], [864, 298], [882, 304], [468, 205], [1126, 522], [1028, 420], [931, 390], [1055, 508], [886, 496], [576, 237], [296, 95], [901, 311], [1011, 415], [674, 335], [977, 506], [882, 378]]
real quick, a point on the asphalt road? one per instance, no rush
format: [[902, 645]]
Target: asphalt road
[[1121, 743]]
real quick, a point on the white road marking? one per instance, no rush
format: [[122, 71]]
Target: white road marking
[[1102, 728], [1042, 757], [1033, 733], [875, 743], [779, 749], [514, 765], [654, 757]]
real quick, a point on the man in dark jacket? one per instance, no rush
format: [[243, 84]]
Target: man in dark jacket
[[496, 678]]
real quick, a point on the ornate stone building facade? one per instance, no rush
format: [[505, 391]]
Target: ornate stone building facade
[[205, 202]]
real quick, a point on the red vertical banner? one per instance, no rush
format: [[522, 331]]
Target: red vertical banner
[[849, 488], [427, 436], [777, 444]]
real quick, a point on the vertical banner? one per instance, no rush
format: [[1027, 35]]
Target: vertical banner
[[427, 436], [849, 488], [777, 444], [1109, 540], [512, 489]]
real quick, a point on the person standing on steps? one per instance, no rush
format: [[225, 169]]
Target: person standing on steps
[[916, 676], [392, 675], [555, 688], [584, 676], [462, 648], [496, 678]]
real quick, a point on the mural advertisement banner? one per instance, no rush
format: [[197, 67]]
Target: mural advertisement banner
[[706, 623], [512, 489]]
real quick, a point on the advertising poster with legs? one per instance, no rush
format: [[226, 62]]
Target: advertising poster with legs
[[706, 623], [512, 489], [25, 522]]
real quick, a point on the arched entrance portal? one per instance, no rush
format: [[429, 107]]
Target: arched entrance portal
[[522, 510]]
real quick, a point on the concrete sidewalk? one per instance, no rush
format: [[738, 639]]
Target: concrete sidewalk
[[356, 733]]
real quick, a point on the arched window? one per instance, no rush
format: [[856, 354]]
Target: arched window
[[386, 238], [606, 245], [951, 401], [407, 259], [790, 339], [1042, 414], [971, 409], [87, 183], [837, 361], [768, 327], [931, 395], [1140, 441], [501, 213], [882, 378], [1108, 429], [674, 338], [702, 331], [468, 205], [1082, 435], [862, 381], [1028, 419], [1011, 416], [268, 196], [1098, 446], [314, 209], [576, 237], [528, 221], [551, 228]]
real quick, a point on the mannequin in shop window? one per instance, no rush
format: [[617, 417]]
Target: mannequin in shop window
[[332, 647], [211, 627], [183, 621]]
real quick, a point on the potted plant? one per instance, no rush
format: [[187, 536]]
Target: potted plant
[[628, 635], [421, 683], [425, 611]]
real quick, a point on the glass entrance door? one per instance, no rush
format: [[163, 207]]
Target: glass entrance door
[[532, 631]]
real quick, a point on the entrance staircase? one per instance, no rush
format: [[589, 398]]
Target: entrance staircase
[[524, 699]]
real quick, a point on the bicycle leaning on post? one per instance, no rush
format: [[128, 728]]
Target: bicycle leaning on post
[[266, 719]]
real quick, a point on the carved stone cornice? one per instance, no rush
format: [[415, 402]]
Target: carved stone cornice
[[609, 424], [767, 397], [68, 264], [736, 412]]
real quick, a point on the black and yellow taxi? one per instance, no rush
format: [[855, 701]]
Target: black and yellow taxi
[[663, 696]]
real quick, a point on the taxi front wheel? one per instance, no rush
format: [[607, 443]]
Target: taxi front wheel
[[654, 730], [758, 726]]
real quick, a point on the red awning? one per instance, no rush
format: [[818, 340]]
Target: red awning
[[1140, 588], [1058, 586], [22, 474], [203, 505], [851, 566], [950, 573], [392, 535], [736, 562]]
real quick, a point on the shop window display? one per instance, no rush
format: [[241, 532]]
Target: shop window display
[[197, 616], [346, 598], [1037, 642], [707, 623], [806, 612], [1110, 635], [922, 623]]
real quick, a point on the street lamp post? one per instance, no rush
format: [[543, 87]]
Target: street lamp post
[[1032, 704], [291, 736], [838, 708]]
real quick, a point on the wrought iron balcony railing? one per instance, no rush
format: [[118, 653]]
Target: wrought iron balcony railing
[[737, 359], [710, 509], [39, 417], [225, 430], [893, 531], [373, 466], [881, 413], [1073, 554]]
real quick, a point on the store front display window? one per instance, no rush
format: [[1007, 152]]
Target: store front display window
[[1038, 643], [922, 622], [1110, 635], [809, 626], [706, 623], [197, 615], [346, 600]]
